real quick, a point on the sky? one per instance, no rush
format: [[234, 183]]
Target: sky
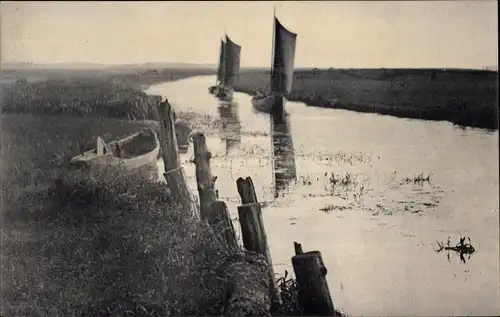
[[357, 34]]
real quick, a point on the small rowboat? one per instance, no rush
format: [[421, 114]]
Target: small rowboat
[[132, 152]]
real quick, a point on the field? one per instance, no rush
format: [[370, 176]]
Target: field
[[463, 97], [100, 242]]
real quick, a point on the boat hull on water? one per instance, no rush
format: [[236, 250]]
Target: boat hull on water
[[212, 90], [135, 153], [263, 104], [224, 93]]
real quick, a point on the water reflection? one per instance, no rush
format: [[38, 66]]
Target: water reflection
[[231, 127], [284, 167], [387, 264]]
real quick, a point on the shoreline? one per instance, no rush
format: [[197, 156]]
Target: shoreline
[[384, 110], [462, 97]]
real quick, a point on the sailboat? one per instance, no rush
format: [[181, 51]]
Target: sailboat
[[282, 66], [228, 70], [212, 89]]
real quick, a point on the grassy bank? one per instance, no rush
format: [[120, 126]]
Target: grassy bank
[[98, 95], [109, 245], [114, 247], [463, 97]]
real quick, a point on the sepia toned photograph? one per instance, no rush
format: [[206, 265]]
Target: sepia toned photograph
[[249, 158]]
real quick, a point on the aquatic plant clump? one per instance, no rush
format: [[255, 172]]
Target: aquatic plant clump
[[462, 248]]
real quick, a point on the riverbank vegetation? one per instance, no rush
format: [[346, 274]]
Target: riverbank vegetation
[[101, 243], [95, 242], [98, 94], [463, 97]]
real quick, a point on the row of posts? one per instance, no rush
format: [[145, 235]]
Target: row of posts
[[310, 272]]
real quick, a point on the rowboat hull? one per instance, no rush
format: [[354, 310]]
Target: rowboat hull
[[264, 104], [212, 90], [135, 152], [224, 93]]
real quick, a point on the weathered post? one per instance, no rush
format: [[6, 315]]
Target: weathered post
[[253, 231], [222, 224], [213, 211], [204, 178], [174, 173], [310, 272], [298, 248]]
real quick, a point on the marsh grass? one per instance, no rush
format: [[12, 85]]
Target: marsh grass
[[92, 95], [101, 242], [109, 242], [463, 97]]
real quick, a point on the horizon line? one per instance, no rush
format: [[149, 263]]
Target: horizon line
[[214, 65]]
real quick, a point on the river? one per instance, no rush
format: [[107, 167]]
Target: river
[[377, 231]]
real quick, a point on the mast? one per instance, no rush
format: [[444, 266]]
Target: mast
[[224, 68], [272, 48], [219, 68]]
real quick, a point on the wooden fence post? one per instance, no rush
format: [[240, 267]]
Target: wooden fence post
[[174, 173], [310, 272], [253, 231], [213, 211], [204, 178], [222, 224], [298, 248]]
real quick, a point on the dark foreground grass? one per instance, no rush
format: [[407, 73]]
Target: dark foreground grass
[[109, 243], [463, 97]]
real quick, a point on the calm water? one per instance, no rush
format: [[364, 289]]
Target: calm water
[[377, 234]]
